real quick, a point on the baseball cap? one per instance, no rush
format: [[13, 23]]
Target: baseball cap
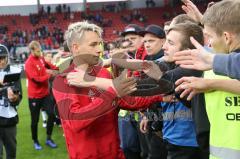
[[155, 30], [132, 29]]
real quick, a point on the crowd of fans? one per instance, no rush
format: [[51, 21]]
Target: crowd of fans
[[47, 14], [19, 38], [173, 100], [97, 19], [52, 39], [135, 15], [113, 7]]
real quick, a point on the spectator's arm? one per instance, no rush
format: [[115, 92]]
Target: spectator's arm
[[227, 85], [227, 65], [132, 64], [190, 86], [192, 11]]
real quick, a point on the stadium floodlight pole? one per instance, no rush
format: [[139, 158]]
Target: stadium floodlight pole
[[38, 5], [85, 6]]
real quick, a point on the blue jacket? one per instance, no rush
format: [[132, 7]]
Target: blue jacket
[[178, 125]]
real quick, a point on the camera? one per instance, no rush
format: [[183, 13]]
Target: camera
[[4, 92], [9, 81]]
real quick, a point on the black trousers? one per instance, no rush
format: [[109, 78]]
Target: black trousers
[[182, 152], [144, 143], [8, 140], [129, 154], [35, 105], [152, 146], [157, 148], [203, 142]]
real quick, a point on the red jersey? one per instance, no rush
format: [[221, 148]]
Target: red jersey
[[37, 77], [90, 117]]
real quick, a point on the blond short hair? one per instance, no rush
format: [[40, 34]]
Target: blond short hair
[[33, 45], [223, 16], [75, 31]]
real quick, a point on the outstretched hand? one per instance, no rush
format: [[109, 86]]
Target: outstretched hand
[[152, 70], [192, 11], [190, 86], [198, 59], [124, 85]]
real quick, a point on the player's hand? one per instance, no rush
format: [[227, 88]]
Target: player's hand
[[124, 85]]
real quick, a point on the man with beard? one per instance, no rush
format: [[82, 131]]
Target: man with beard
[[38, 92]]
